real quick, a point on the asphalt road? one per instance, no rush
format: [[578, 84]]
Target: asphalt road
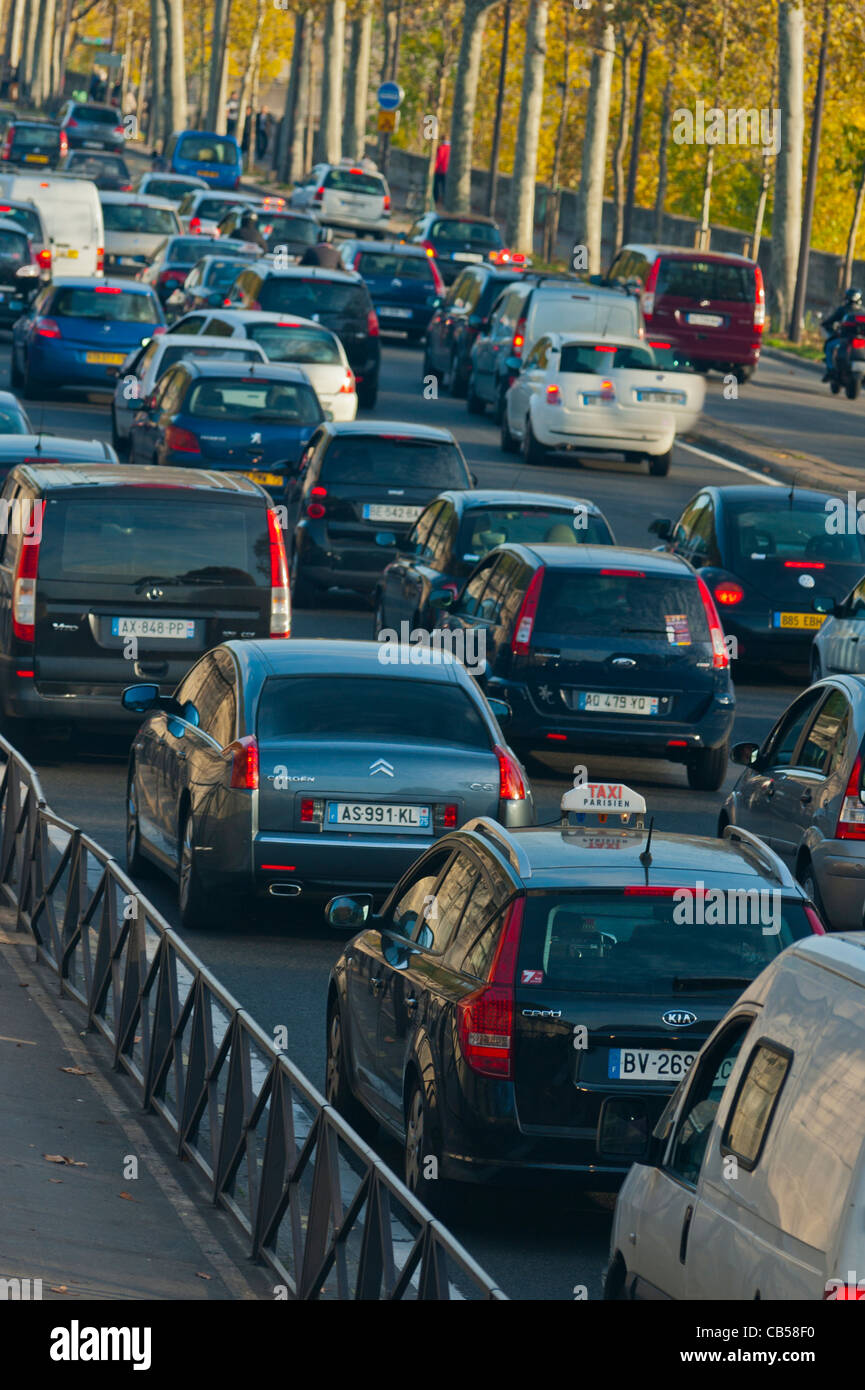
[[276, 964]]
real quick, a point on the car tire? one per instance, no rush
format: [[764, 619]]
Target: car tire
[[743, 374], [457, 380], [659, 464], [708, 768], [808, 881], [367, 396], [136, 865], [816, 667], [851, 390], [499, 407], [421, 1155], [303, 591], [615, 1281], [834, 386], [510, 443], [534, 453], [16, 376], [195, 906], [474, 404], [337, 1088]]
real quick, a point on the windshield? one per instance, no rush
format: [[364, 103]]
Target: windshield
[[655, 941], [213, 209], [97, 115], [671, 358], [598, 359], [13, 247], [392, 266], [282, 402], [12, 421], [804, 531], [219, 275], [706, 280], [458, 232], [276, 229], [293, 295], [185, 251], [137, 217], [360, 708], [487, 527], [201, 349], [95, 167], [173, 189], [206, 149], [34, 136], [118, 306], [383, 460], [348, 181], [660, 608], [284, 344]]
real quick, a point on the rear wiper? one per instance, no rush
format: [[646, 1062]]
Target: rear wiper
[[644, 629], [155, 579], [710, 982]]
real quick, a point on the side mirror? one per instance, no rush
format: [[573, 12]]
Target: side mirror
[[662, 527], [501, 709], [140, 698], [745, 754], [386, 538], [349, 914], [27, 272], [441, 598], [830, 606]]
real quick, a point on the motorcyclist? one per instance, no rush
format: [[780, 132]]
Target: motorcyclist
[[248, 230], [852, 300], [323, 254]]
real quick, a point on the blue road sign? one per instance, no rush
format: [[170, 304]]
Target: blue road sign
[[390, 96]]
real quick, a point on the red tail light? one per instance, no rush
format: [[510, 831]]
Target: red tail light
[[318, 194], [24, 591], [648, 299], [47, 328], [106, 289], [126, 188], [521, 640], [857, 342], [519, 339], [280, 596], [804, 565], [814, 922], [511, 785], [181, 441], [630, 574], [195, 224], [71, 121], [43, 259], [728, 592], [171, 276], [64, 144], [386, 204], [554, 395], [118, 130], [851, 819], [7, 145], [720, 659], [429, 248], [372, 323], [244, 763], [315, 510], [307, 809], [436, 275], [318, 491], [449, 819], [100, 260], [760, 301], [486, 1017]]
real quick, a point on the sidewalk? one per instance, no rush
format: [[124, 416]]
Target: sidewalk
[[87, 1228]]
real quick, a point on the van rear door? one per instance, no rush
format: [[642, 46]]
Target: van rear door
[[706, 307]]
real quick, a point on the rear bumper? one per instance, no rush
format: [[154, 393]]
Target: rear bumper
[[23, 700], [759, 642], [331, 863], [416, 321], [348, 565], [604, 429], [67, 367]]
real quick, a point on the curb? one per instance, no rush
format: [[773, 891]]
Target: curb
[[806, 470], [790, 358]]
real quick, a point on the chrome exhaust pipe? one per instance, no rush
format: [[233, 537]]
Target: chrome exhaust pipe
[[285, 890]]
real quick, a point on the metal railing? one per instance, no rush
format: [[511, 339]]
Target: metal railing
[[313, 1200]]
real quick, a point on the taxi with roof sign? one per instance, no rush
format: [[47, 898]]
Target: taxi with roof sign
[[526, 1000]]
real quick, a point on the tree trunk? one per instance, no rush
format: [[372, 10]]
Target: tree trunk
[[357, 83], [554, 196], [44, 58], [636, 138], [218, 62], [663, 145], [310, 97], [142, 84], [765, 180], [393, 66], [798, 311], [458, 186], [500, 103], [176, 73], [245, 94], [34, 39], [627, 46], [441, 90], [159, 62], [521, 208], [704, 235], [327, 149], [787, 208], [290, 152], [590, 201], [850, 253]]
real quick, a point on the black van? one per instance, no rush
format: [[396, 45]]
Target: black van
[[111, 573]]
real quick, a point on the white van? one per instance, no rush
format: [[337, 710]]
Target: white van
[[72, 214], [559, 306], [754, 1186]]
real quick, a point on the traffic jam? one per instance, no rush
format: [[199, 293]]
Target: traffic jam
[[519, 753]]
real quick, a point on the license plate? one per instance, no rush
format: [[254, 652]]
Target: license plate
[[466, 256], [662, 397], [799, 621], [383, 511], [208, 174], [107, 359], [70, 252], [131, 260], [372, 815], [657, 1064], [705, 320], [266, 479], [617, 704], [171, 629], [387, 312], [93, 144], [35, 159]]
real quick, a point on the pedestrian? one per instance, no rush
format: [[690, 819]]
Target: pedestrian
[[443, 159], [262, 133], [231, 107]]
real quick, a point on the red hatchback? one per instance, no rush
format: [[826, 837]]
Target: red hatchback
[[706, 303]]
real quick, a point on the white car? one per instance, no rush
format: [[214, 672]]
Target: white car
[[135, 227], [201, 211], [144, 366], [349, 194], [609, 396], [291, 341], [174, 187]]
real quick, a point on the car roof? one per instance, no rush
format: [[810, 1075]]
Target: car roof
[[9, 398], [267, 316], [619, 339], [687, 253], [841, 952], [326, 656], [33, 446], [209, 341], [306, 272], [462, 217], [503, 497], [584, 290], [390, 428], [590, 557], [93, 154], [92, 282], [402, 248], [175, 178], [145, 200], [748, 492], [27, 203], [35, 120], [277, 371], [70, 476]]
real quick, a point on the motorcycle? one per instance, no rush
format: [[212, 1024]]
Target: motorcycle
[[848, 363]]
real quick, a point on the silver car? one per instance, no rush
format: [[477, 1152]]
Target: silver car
[[135, 227], [802, 792], [839, 646]]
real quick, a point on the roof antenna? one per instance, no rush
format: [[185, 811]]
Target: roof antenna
[[792, 490], [646, 856]]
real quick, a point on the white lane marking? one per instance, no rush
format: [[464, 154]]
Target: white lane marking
[[736, 467]]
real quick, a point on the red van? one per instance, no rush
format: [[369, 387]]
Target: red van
[[710, 305]]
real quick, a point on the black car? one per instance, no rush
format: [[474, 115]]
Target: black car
[[525, 1002], [457, 240], [283, 229], [496, 350], [358, 489], [50, 449], [20, 274], [335, 298], [404, 282], [133, 572], [40, 144], [92, 126], [172, 262], [768, 556], [602, 648], [109, 172], [458, 320], [458, 528], [208, 282], [28, 216]]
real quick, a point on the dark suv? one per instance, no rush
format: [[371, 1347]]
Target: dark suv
[[497, 348], [112, 573], [340, 300], [458, 320], [40, 143], [602, 648]]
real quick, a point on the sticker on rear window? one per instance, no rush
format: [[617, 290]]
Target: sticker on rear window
[[532, 977], [678, 631]]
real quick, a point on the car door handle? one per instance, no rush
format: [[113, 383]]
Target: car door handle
[[410, 1006], [683, 1242], [180, 753], [376, 984], [806, 798]]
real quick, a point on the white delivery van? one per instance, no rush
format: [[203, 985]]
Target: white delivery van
[[754, 1186], [72, 214], [557, 306]]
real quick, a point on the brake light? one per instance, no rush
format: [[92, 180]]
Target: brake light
[[633, 574], [106, 289], [47, 328], [527, 614], [43, 258], [760, 302], [851, 818], [347, 387], [195, 224], [857, 342], [181, 441], [814, 921], [126, 188], [449, 819], [315, 511], [386, 204], [24, 591], [244, 763], [648, 300], [71, 121], [519, 340], [64, 144], [307, 809], [554, 395], [318, 491], [486, 1017], [660, 345], [436, 274], [804, 565], [511, 785], [720, 659], [7, 146], [372, 323], [318, 194], [280, 595], [728, 592], [100, 260], [607, 391], [429, 248]]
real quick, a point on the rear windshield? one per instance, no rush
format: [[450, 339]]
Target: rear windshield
[[220, 274], [394, 267], [654, 943], [276, 228], [93, 166], [293, 295], [758, 532], [659, 608], [597, 359], [561, 311], [494, 526], [12, 421], [31, 136], [671, 358], [136, 537], [458, 232], [280, 402], [185, 251], [382, 460], [176, 354], [348, 182], [706, 280], [28, 218], [369, 707], [13, 246], [313, 345], [206, 149], [118, 306], [169, 188], [137, 217], [97, 115]]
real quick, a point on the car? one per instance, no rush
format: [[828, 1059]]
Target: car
[[77, 330], [601, 647], [109, 172], [338, 299], [13, 417], [835, 649], [201, 212], [351, 194], [130, 573], [575, 393], [171, 186], [523, 1004], [457, 321], [205, 155], [285, 230], [802, 792], [358, 489], [291, 340], [460, 239], [139, 374], [204, 414], [135, 227], [532, 306], [768, 558], [172, 262], [308, 764], [403, 281], [458, 528], [767, 1100], [92, 126], [50, 449], [27, 141], [70, 214], [20, 273], [28, 216], [208, 282], [709, 303]]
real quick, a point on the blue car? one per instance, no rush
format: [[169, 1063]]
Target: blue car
[[77, 332], [204, 414], [404, 283], [204, 155]]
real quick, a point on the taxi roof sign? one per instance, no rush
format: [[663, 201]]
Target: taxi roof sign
[[610, 804]]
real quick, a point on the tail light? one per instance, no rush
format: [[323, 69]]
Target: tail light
[[318, 194], [195, 225], [729, 592], [851, 819], [386, 204], [804, 565], [24, 592], [554, 395], [280, 596], [486, 1017], [511, 785], [312, 810], [43, 259], [7, 144], [720, 659], [760, 301], [118, 130], [372, 323], [607, 391], [522, 637], [72, 121], [857, 342], [445, 815], [436, 274], [100, 260], [648, 300], [429, 248], [347, 387], [47, 328], [316, 510], [244, 763], [630, 574], [357, 259], [181, 441], [64, 144], [814, 921], [519, 339], [126, 188]]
